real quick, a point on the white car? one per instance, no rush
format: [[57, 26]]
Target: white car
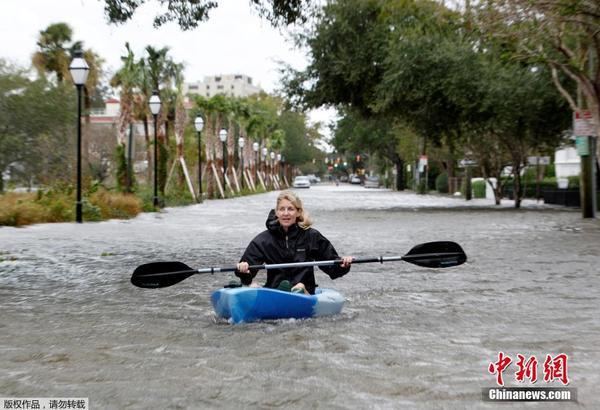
[[355, 179], [301, 181], [372, 182]]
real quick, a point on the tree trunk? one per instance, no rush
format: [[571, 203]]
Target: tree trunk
[[517, 189], [399, 163], [209, 149], [162, 156], [149, 158], [497, 191], [180, 121]]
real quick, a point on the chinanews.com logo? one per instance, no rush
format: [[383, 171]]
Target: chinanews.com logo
[[555, 375]]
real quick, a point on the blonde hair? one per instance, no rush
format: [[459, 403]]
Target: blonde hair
[[304, 220]]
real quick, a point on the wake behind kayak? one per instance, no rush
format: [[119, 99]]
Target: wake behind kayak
[[243, 305]]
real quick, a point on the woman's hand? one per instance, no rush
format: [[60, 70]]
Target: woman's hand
[[243, 267], [346, 261]]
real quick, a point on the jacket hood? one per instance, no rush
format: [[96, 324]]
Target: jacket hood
[[272, 223]]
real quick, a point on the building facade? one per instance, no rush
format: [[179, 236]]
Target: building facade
[[236, 85]]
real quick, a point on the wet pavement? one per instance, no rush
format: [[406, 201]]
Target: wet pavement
[[73, 326]]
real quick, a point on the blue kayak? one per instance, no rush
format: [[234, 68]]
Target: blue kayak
[[247, 304]]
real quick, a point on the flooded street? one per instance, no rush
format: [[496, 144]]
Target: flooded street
[[72, 325]]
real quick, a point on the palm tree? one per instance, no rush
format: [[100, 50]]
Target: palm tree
[[256, 129], [211, 127], [52, 56], [126, 78], [180, 122], [222, 109], [161, 76], [94, 62], [242, 115], [141, 110]]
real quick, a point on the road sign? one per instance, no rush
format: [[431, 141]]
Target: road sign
[[538, 160], [422, 163], [583, 145], [583, 123], [467, 163]]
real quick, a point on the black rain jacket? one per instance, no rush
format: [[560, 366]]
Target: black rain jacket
[[296, 245]]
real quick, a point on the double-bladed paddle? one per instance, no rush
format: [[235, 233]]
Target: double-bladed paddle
[[429, 255]]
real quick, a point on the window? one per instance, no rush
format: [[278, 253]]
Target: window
[[207, 87], [217, 79], [238, 77], [219, 87], [193, 87]]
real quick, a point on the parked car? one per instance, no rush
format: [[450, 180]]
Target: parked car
[[355, 179], [372, 182], [313, 179], [301, 181], [344, 178]]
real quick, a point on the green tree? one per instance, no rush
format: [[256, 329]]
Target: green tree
[[36, 118], [563, 34], [189, 13], [296, 148], [12, 82], [524, 115], [362, 51]]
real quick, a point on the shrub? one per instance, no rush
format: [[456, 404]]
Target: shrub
[[57, 204], [441, 183], [574, 181], [19, 209], [479, 189], [114, 205]]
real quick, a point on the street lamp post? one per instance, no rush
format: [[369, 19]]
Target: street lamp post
[[241, 144], [272, 155], [264, 160], [223, 138], [279, 166], [199, 125], [79, 71], [155, 104], [255, 147]]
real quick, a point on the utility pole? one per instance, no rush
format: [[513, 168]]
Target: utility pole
[[586, 148]]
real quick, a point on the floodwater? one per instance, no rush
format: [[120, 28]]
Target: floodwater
[[72, 325]]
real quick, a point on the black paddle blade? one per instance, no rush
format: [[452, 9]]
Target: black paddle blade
[[160, 274], [436, 255]]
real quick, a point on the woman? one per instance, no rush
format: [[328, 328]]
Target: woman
[[289, 238]]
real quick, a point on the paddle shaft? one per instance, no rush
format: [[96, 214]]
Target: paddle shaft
[[441, 254], [331, 262]]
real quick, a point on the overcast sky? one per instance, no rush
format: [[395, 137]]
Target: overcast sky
[[233, 41]]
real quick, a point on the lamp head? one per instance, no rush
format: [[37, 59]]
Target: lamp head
[[199, 123], [78, 68], [154, 103], [223, 135]]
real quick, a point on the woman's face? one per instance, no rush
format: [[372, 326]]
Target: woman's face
[[286, 214]]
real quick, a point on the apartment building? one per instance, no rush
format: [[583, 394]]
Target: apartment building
[[237, 85]]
